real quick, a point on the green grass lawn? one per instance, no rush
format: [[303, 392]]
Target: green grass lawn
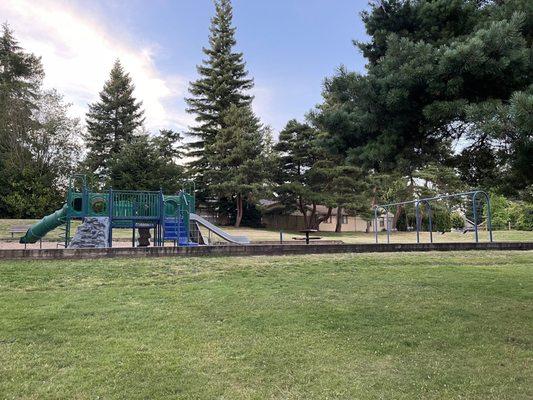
[[367, 326]]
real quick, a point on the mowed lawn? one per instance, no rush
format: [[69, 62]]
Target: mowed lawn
[[366, 326]]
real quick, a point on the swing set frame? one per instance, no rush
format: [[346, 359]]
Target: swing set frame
[[475, 194]]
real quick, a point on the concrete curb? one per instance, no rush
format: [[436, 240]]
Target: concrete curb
[[252, 250]]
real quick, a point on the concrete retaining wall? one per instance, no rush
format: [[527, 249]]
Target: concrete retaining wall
[[253, 250]]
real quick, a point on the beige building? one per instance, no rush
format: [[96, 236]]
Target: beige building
[[295, 221]]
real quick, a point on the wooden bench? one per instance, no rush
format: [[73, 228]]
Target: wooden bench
[[18, 229], [22, 229]]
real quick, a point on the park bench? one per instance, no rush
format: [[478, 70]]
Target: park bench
[[22, 229], [18, 229]]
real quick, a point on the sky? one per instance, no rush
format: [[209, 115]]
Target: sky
[[289, 46]]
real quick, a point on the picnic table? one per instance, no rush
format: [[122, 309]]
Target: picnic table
[[307, 232]]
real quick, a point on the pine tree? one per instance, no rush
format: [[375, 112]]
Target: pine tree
[[302, 176], [147, 163], [21, 74], [112, 121], [432, 67], [238, 159], [223, 84]]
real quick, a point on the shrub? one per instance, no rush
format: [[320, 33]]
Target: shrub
[[521, 216], [442, 221], [500, 208], [457, 221]]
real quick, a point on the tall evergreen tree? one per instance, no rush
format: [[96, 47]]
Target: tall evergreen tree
[[21, 74], [238, 159], [223, 83], [112, 122]]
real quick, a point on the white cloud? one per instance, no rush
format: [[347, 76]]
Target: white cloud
[[78, 52]]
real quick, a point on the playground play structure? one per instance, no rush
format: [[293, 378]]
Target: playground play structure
[[474, 196], [172, 217]]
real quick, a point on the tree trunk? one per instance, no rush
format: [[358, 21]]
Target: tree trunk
[[318, 221], [312, 219], [303, 210], [238, 219], [397, 217], [338, 226]]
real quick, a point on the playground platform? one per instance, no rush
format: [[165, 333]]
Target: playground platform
[[252, 250]]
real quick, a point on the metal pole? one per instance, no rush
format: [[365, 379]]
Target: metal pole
[[161, 220], [67, 231], [388, 224], [85, 197], [376, 223], [281, 237], [430, 222], [417, 222], [110, 232], [489, 217], [133, 225], [474, 212]]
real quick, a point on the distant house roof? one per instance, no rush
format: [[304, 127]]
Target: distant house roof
[[320, 209], [268, 203]]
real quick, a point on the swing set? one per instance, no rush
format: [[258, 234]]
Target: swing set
[[475, 196]]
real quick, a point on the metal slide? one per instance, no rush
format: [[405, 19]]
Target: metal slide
[[217, 231], [41, 228]]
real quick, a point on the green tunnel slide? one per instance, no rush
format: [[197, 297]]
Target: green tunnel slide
[[48, 223]]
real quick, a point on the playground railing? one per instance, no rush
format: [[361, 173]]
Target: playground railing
[[131, 205]]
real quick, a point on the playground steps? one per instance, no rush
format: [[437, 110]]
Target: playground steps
[[175, 230]]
